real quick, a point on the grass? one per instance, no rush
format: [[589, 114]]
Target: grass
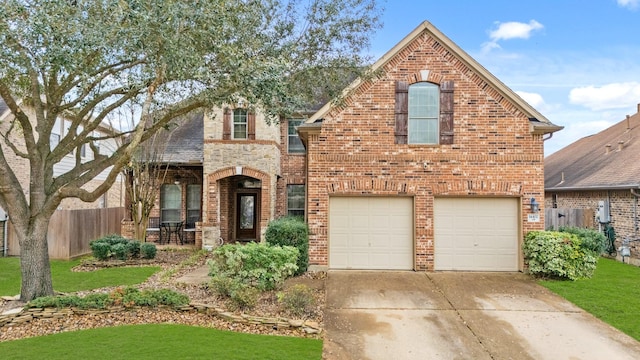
[[163, 341], [612, 294], [65, 280]]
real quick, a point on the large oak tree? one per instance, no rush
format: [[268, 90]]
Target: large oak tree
[[83, 60]]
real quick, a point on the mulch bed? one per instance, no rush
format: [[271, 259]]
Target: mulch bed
[[172, 263]]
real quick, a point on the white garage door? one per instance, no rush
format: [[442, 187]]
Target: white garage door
[[371, 233], [476, 234]]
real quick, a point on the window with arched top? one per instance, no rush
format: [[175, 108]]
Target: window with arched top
[[424, 109]]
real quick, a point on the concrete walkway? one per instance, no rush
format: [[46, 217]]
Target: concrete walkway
[[196, 277], [408, 315]]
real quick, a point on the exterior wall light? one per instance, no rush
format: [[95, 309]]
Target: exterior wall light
[[535, 206]]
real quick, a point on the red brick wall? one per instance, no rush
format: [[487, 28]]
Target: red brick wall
[[493, 154], [292, 170], [624, 209]]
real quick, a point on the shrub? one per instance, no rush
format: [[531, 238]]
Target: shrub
[[101, 250], [591, 239], [291, 231], [223, 285], [133, 249], [260, 265], [120, 251], [148, 250], [244, 297], [298, 300], [128, 297], [558, 254]]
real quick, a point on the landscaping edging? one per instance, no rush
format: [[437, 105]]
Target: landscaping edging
[[21, 315]]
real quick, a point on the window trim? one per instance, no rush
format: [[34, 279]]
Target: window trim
[[290, 136], [245, 123], [163, 207], [429, 118], [304, 197]]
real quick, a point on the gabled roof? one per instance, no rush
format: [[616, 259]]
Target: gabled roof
[[539, 123], [607, 160]]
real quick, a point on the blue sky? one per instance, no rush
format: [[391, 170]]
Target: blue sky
[[575, 61]]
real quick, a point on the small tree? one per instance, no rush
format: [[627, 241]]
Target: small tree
[[144, 175]]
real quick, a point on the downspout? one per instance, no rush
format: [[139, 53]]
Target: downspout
[[635, 211], [550, 136]]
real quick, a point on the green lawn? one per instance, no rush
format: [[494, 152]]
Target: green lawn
[[65, 280], [612, 294], [160, 342]]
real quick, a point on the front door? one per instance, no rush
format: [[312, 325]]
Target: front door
[[247, 216]]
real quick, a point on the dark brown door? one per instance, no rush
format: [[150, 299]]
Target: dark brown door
[[247, 216]]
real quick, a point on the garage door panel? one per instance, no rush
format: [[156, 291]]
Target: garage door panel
[[476, 234], [371, 233]]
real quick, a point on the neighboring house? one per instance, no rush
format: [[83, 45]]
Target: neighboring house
[[429, 165], [600, 171], [113, 198]]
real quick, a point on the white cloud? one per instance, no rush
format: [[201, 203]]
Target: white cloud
[[534, 99], [610, 96], [511, 30], [630, 4]]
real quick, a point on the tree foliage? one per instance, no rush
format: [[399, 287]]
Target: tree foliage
[[85, 60]]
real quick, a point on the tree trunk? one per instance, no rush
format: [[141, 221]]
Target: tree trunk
[[34, 260]]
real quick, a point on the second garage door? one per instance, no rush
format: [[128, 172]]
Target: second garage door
[[476, 234], [371, 233]]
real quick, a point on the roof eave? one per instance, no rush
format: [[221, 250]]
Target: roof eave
[[594, 187], [488, 77]]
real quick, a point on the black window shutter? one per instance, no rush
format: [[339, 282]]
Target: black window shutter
[[401, 112], [446, 112]]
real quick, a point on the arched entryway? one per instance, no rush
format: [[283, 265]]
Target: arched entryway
[[238, 204]]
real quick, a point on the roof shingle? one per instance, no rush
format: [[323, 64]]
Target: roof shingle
[[606, 160]]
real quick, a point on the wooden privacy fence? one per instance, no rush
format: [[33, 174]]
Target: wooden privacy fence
[[71, 231], [555, 218]]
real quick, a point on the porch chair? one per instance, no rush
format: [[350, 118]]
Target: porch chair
[[154, 226]]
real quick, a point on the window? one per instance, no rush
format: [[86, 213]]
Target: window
[[194, 193], [170, 202], [295, 200], [83, 150], [54, 140], [240, 124], [294, 143], [424, 101]]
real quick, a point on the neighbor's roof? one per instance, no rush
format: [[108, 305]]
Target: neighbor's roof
[[539, 123], [605, 161]]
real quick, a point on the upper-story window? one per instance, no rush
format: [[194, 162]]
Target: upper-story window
[[240, 123], [294, 142], [424, 108]]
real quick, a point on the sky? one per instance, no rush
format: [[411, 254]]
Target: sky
[[575, 61]]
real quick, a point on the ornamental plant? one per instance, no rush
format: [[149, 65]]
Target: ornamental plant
[[259, 265], [291, 231], [558, 254]]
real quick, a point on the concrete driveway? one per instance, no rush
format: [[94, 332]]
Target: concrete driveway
[[408, 315]]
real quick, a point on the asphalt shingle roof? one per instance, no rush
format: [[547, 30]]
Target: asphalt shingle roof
[[609, 159], [186, 142]]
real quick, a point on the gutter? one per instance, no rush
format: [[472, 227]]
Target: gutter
[[632, 187]]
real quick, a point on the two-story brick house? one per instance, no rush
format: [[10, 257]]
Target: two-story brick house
[[431, 164]]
